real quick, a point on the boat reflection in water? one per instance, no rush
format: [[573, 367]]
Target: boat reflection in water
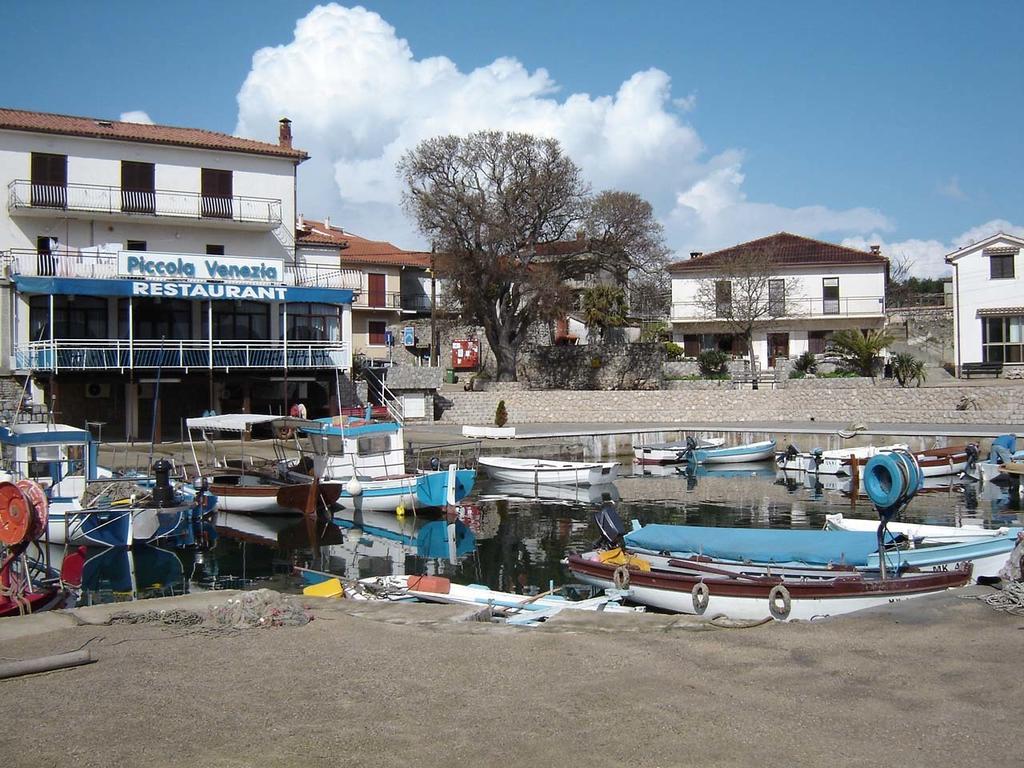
[[111, 575], [586, 494]]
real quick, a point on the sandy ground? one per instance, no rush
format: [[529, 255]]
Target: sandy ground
[[931, 682]]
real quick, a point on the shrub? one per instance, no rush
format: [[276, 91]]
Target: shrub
[[500, 414], [797, 374], [858, 351], [712, 364], [838, 375], [804, 364], [673, 351], [907, 370]]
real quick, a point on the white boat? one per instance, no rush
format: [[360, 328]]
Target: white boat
[[669, 453], [544, 472], [587, 494], [832, 462], [735, 454], [518, 609], [930, 534]]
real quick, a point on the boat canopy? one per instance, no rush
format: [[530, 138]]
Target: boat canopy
[[38, 434], [240, 422], [757, 544]]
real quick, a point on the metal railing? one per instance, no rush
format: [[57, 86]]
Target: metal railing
[[416, 303], [378, 300], [98, 199], [119, 354], [848, 306], [70, 262]]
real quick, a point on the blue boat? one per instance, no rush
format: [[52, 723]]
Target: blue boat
[[734, 454]]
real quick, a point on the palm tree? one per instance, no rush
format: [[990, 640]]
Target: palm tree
[[908, 369], [858, 351]]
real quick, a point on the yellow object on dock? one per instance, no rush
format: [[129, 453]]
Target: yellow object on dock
[[618, 556], [328, 588]]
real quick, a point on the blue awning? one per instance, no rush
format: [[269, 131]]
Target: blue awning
[[193, 291]]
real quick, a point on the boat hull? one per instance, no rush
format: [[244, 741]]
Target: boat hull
[[539, 472], [737, 454]]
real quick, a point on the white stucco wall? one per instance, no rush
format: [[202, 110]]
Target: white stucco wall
[[974, 290]]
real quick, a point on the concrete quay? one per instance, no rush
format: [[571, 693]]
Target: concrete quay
[[923, 682]]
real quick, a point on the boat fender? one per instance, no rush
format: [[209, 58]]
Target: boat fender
[[621, 577], [701, 597], [779, 602]]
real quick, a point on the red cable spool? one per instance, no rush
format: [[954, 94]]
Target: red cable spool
[[16, 518], [34, 492]]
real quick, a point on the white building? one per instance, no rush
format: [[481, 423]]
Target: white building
[[814, 289], [988, 301], [134, 254]]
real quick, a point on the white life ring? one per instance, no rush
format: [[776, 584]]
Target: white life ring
[[701, 596], [621, 577], [779, 594]]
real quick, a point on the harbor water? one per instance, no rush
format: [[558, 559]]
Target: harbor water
[[511, 537]]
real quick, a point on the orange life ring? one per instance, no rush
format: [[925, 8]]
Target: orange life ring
[[15, 515]]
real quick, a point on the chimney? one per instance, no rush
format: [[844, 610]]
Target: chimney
[[876, 250], [695, 254], [284, 133], [327, 223], [301, 223]]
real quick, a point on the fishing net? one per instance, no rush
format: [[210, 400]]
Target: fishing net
[[250, 610]]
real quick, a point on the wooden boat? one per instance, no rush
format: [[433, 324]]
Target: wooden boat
[[671, 453], [831, 462], [544, 472], [735, 454], [932, 534], [755, 597]]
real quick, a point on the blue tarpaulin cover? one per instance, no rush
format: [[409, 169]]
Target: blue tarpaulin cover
[[757, 544]]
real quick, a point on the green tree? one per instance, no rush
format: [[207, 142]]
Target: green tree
[[604, 307], [858, 351]]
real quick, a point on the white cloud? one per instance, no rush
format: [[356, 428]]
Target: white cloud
[[927, 257], [951, 189], [359, 98], [135, 116]]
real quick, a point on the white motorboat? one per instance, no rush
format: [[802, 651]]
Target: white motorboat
[[670, 453], [929, 534], [832, 462], [544, 472]]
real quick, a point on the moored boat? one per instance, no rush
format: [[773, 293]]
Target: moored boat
[[734, 454], [672, 452], [545, 472], [933, 534], [838, 461]]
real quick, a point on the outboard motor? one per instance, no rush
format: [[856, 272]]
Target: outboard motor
[[610, 524], [972, 452], [792, 451], [163, 493], [817, 456]]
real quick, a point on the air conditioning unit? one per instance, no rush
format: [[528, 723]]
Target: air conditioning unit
[[97, 389]]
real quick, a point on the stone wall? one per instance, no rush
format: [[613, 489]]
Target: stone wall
[[594, 367], [865, 404], [925, 332]]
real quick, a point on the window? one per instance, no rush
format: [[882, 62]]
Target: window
[[313, 322], [216, 194], [214, 250], [239, 320], [1002, 339], [377, 284], [46, 259], [135, 245], [138, 194], [74, 317], [377, 329], [723, 298], [168, 319], [776, 298], [1001, 267], [49, 180], [830, 295]]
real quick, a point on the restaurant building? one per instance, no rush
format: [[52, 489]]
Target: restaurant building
[[148, 274]]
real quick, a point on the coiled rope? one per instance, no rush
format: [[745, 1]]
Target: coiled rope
[[1010, 598]]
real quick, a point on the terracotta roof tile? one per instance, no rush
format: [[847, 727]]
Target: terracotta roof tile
[[359, 250], [786, 250], [94, 128]]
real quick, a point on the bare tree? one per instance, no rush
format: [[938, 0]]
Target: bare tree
[[747, 294], [896, 288], [494, 204]]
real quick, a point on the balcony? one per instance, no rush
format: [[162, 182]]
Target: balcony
[[120, 355], [93, 264], [796, 309], [90, 201], [389, 300]]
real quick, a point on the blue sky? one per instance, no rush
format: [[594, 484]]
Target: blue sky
[[891, 122]]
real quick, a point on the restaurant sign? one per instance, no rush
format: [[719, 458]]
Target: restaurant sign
[[189, 266]]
